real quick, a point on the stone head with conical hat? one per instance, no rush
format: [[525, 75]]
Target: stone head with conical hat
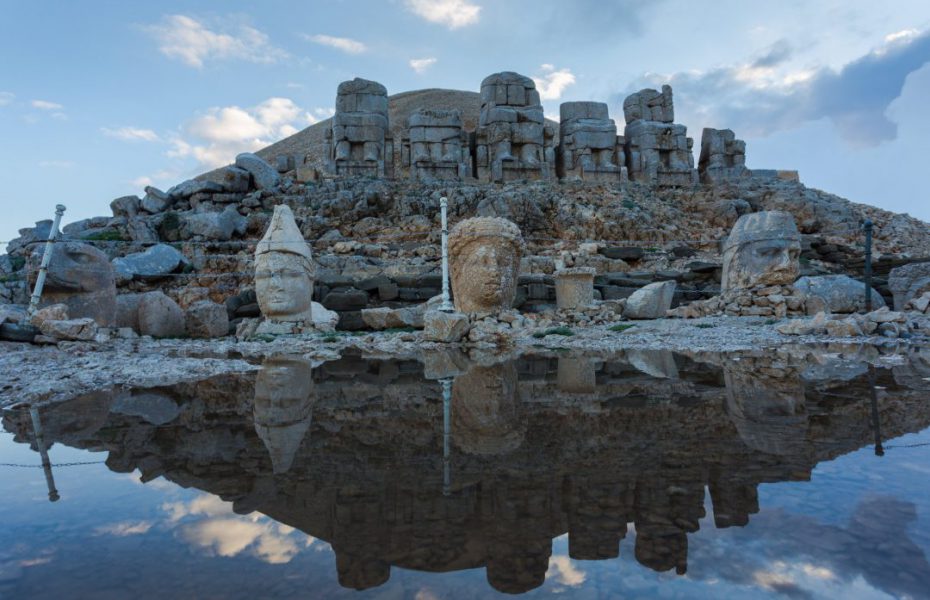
[[762, 249], [284, 270], [484, 255], [283, 408]]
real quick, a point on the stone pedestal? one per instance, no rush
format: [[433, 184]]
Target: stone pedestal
[[574, 288]]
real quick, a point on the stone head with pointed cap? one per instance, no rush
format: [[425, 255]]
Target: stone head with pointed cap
[[284, 270], [283, 408], [762, 249]]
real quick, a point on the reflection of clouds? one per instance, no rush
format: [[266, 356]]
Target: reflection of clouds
[[209, 523], [564, 572], [124, 528]]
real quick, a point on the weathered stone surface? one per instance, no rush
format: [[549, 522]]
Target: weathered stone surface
[[723, 157], [387, 318], [588, 143], [216, 225], [283, 407], [574, 288], [909, 281], [804, 326], [159, 316], [651, 301], [155, 200], [436, 146], [650, 105], [235, 180], [484, 254], [921, 304], [444, 327], [264, 175], [126, 206], [81, 277], [359, 142], [154, 263], [762, 249], [84, 329], [52, 312], [842, 293], [284, 271], [323, 318], [188, 188], [205, 319]]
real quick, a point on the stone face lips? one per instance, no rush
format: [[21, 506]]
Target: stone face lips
[[484, 255], [762, 249]]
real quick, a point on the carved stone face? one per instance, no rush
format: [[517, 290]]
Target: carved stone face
[[486, 416], [485, 262], [762, 249], [769, 412], [283, 287], [283, 407], [81, 277]]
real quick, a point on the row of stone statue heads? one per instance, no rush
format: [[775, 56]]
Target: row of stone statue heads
[[514, 141]]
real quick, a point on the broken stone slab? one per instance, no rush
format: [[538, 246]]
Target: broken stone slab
[[841, 293], [150, 313], [804, 326], [651, 301], [884, 315], [446, 327], [154, 263], [216, 225], [155, 200], [235, 180], [206, 319], [83, 329], [389, 318], [264, 175], [188, 188], [920, 304]]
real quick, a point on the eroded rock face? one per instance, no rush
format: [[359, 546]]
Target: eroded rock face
[[81, 277], [484, 254], [763, 249], [908, 282], [283, 407], [842, 293], [284, 271]]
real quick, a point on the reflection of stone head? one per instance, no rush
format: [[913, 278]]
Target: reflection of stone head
[[284, 270], [518, 567], [81, 277], [662, 550], [762, 249], [283, 407], [361, 572], [769, 412], [485, 253], [486, 415]]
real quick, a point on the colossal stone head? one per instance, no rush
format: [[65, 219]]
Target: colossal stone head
[[81, 277], [484, 253], [762, 249], [284, 270], [486, 415], [283, 408]]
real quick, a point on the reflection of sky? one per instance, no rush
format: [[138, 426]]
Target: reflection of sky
[[857, 530]]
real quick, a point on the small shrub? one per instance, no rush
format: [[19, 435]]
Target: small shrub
[[330, 338], [705, 325], [17, 262], [621, 327], [629, 204], [554, 331]]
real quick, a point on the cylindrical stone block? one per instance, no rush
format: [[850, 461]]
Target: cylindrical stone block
[[574, 288]]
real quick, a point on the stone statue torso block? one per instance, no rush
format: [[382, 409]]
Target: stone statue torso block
[[359, 142], [587, 143], [658, 150], [436, 147]]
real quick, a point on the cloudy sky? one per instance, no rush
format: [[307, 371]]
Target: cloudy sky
[[100, 98]]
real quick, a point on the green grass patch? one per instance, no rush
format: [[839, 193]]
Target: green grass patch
[[330, 338], [554, 331], [400, 330], [621, 327], [17, 262], [705, 325], [629, 204]]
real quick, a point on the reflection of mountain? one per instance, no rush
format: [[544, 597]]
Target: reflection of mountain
[[537, 451]]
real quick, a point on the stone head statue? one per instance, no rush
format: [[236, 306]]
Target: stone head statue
[[484, 253], [81, 277], [762, 249], [283, 408], [486, 415], [284, 270]]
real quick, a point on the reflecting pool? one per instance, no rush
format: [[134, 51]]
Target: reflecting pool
[[642, 474]]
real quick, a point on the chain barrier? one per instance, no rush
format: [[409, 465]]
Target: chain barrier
[[54, 466]]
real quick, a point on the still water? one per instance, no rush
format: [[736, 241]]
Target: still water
[[638, 475]]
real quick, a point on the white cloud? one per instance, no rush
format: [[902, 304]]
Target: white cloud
[[131, 134], [190, 41], [564, 572], [125, 528], [46, 105], [553, 82], [420, 65], [6, 98], [451, 13], [56, 164], [216, 137], [347, 45]]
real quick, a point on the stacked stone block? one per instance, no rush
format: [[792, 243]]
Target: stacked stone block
[[658, 150], [360, 141], [723, 157], [588, 148], [436, 146]]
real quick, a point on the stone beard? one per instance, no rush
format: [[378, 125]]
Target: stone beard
[[763, 249], [284, 287], [485, 257]]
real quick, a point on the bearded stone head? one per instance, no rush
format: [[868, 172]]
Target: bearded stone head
[[484, 254], [762, 249]]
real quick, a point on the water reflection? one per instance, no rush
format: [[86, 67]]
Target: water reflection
[[465, 462]]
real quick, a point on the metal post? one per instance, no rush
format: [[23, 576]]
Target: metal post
[[43, 452], [46, 258], [446, 435], [868, 264], [876, 423], [446, 305]]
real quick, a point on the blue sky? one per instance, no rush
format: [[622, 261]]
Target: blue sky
[[99, 98]]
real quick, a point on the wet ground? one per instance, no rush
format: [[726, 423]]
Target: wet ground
[[639, 473]]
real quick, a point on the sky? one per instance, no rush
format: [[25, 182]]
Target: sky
[[101, 98]]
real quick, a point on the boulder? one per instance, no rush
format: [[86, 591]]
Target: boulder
[[216, 225], [841, 293], [155, 200], [235, 180], [154, 263], [205, 319], [323, 318], [447, 327], [126, 206], [188, 188], [53, 312], [84, 329], [386, 318], [920, 304], [264, 175], [843, 328], [909, 281], [802, 326], [160, 316], [651, 301]]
